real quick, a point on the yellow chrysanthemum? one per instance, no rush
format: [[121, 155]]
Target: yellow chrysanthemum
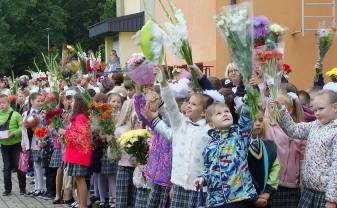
[[332, 72], [133, 136]]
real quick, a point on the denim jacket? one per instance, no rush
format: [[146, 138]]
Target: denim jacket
[[226, 170]]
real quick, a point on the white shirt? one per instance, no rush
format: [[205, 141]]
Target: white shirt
[[188, 142]]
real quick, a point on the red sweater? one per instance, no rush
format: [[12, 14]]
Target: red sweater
[[78, 148]]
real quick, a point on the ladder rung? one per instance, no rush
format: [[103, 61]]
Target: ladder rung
[[319, 4], [318, 17], [310, 29]]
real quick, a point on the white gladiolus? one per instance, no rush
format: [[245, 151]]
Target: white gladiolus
[[176, 33]]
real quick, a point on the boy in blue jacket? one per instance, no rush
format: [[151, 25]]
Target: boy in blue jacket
[[226, 171]]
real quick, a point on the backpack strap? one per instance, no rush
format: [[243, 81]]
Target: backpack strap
[[10, 116]]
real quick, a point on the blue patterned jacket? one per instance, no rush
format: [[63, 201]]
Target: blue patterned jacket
[[226, 170]]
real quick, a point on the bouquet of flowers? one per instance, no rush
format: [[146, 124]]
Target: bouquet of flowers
[[236, 28], [53, 116], [103, 112], [325, 38], [140, 70], [175, 36], [151, 42], [41, 133], [31, 122], [261, 30], [82, 57], [135, 143], [95, 61]]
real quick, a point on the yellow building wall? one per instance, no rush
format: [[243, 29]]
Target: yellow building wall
[[127, 47], [208, 45], [131, 6], [108, 43], [202, 32]]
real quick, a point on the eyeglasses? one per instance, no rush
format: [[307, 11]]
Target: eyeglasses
[[233, 71]]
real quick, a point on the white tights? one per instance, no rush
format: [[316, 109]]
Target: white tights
[[38, 175]]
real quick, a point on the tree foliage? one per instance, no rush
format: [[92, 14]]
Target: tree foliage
[[23, 23]]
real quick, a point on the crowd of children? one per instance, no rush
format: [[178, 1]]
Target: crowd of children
[[206, 150]]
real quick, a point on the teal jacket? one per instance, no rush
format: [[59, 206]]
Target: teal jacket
[[226, 170], [14, 126]]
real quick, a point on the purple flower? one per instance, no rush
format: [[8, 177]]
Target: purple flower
[[261, 26]]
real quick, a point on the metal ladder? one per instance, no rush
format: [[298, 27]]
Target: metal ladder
[[305, 4]]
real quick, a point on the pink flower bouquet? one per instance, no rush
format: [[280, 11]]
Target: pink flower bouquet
[[140, 70]]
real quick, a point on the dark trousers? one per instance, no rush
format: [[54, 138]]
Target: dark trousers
[[50, 174], [10, 157]]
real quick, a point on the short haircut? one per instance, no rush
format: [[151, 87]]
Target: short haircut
[[329, 93], [211, 109], [206, 100], [4, 97]]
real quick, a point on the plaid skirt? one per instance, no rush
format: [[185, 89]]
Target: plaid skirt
[[77, 170], [56, 159], [36, 155], [107, 166], [183, 198], [142, 194], [285, 197], [312, 199], [125, 190], [159, 197]]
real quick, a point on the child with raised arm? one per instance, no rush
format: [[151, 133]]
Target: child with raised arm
[[189, 137], [226, 173], [319, 173]]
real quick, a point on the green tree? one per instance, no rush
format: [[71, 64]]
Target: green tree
[[23, 22]]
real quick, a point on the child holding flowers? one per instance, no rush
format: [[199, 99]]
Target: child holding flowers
[[125, 190], [189, 137], [290, 153], [320, 166], [108, 167], [226, 171], [31, 121], [78, 147], [159, 165]]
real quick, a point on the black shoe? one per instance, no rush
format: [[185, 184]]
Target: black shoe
[[22, 191], [70, 201], [58, 201], [6, 193]]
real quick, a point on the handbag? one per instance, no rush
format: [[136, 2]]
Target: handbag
[[23, 161]]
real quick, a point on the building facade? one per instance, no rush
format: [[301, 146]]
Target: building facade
[[209, 47]]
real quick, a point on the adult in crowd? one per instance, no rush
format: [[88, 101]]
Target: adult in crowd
[[113, 64]]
